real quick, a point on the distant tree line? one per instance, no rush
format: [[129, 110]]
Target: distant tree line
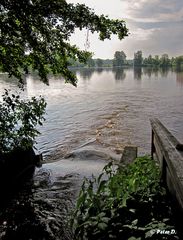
[[163, 61], [158, 61], [120, 60], [92, 63]]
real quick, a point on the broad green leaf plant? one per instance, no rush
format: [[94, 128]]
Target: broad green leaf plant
[[126, 202]]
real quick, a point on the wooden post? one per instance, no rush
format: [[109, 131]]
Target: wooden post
[[129, 155]]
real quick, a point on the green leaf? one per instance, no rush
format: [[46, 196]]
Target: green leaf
[[134, 238], [134, 222], [105, 219], [102, 226], [101, 186]]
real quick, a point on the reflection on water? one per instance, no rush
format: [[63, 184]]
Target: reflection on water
[[150, 71], [179, 78], [137, 73], [109, 106], [119, 73], [86, 73]]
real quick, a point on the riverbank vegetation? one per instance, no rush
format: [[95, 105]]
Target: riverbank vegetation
[[120, 60], [124, 202], [18, 120], [18, 131]]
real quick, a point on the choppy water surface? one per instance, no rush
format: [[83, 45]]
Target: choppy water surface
[[109, 106]]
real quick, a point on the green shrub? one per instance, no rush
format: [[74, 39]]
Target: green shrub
[[121, 203], [18, 121]]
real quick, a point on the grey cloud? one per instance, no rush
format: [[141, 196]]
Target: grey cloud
[[150, 25], [163, 30], [160, 10], [163, 40]]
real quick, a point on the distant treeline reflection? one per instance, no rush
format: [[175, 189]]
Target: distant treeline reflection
[[138, 72], [119, 73]]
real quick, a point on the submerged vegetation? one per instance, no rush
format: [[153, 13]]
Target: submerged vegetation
[[124, 202]]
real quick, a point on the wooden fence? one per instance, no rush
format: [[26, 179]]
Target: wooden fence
[[169, 152]]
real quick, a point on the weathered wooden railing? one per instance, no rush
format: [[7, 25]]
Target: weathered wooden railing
[[169, 152]]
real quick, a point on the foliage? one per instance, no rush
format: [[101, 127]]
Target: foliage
[[18, 120], [90, 62], [122, 203], [36, 33], [119, 58], [164, 61], [154, 61], [178, 62], [99, 62], [138, 58]]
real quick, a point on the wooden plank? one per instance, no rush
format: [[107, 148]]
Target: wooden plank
[[170, 158]]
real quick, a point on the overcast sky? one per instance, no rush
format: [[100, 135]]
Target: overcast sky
[[156, 27]]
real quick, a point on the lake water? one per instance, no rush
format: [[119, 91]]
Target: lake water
[[110, 107]]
